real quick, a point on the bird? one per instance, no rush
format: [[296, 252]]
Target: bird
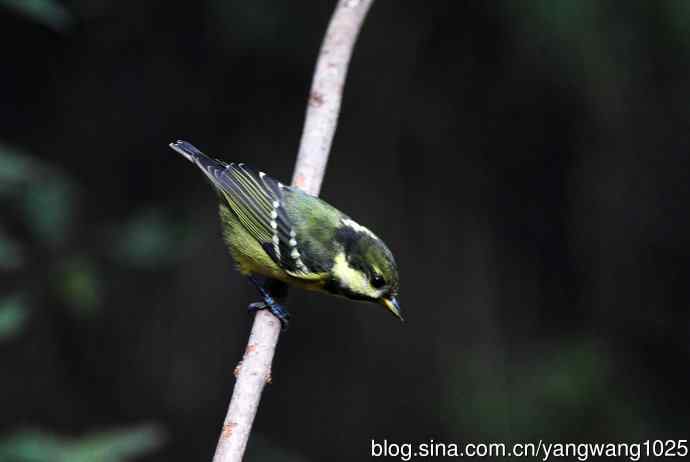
[[281, 236]]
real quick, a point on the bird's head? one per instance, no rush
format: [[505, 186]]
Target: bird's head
[[364, 268]]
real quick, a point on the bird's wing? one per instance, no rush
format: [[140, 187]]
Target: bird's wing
[[258, 202]]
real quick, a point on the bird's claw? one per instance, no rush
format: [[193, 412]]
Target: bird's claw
[[269, 303], [276, 309], [256, 306]]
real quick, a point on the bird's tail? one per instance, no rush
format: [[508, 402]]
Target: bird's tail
[[188, 150], [212, 168]]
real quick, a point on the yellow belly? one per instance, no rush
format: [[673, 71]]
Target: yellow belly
[[251, 258]]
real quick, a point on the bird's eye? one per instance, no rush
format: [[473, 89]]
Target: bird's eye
[[377, 281]]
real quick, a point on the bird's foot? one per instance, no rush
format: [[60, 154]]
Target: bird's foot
[[269, 303], [276, 309]]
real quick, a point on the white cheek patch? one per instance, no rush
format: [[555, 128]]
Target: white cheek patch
[[353, 279], [357, 227]]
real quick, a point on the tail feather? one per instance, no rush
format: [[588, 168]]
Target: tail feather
[[212, 168], [188, 150]]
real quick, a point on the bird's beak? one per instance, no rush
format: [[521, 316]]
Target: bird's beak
[[393, 306]]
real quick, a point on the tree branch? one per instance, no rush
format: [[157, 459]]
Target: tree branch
[[323, 108], [326, 93]]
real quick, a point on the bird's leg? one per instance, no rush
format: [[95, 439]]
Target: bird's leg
[[269, 301]]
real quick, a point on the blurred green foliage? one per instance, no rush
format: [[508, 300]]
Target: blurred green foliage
[[48, 12], [45, 195], [11, 257], [45, 200], [80, 286], [107, 446], [257, 26], [677, 15], [13, 315], [149, 239], [261, 449], [49, 209], [14, 169], [531, 399]]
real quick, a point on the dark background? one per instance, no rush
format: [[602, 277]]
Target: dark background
[[527, 162]]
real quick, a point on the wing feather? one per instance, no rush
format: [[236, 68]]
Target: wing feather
[[257, 200]]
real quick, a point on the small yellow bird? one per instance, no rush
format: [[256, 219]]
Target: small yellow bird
[[289, 237]]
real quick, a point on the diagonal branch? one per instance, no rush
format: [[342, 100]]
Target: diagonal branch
[[326, 93], [323, 108]]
